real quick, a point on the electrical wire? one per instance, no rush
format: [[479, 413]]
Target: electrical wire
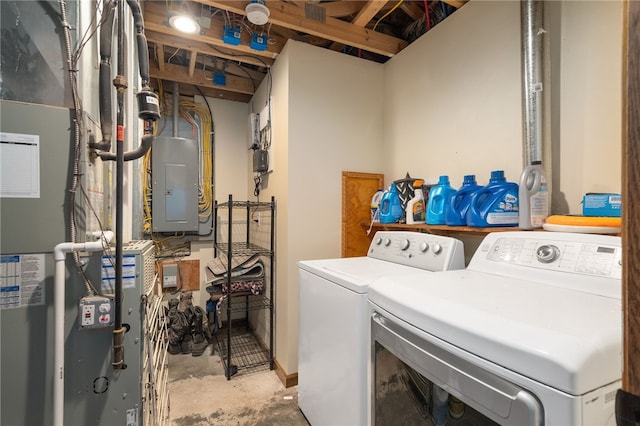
[[427, 15], [387, 14]]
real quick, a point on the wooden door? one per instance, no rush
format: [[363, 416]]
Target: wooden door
[[357, 190], [628, 400]]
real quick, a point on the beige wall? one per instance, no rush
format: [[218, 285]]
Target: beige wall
[[450, 104], [453, 98], [328, 117]]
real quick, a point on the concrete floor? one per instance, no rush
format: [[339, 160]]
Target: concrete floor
[[201, 395]]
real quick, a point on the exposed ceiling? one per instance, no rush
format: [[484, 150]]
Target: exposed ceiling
[[204, 63]]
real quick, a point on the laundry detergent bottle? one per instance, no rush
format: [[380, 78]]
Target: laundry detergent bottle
[[534, 197], [456, 214], [439, 197], [495, 204], [390, 206]]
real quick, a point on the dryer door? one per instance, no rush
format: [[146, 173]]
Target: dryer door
[[412, 375]]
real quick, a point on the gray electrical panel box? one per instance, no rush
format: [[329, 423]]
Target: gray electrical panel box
[[174, 167]]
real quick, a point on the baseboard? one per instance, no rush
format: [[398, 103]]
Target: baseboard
[[288, 380]]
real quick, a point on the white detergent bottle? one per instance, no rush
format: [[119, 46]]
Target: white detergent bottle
[[534, 197], [415, 211]]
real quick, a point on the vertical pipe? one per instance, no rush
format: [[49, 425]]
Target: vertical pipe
[[176, 100], [532, 30], [59, 290], [120, 83]]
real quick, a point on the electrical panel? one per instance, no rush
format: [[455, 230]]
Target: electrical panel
[[175, 166], [169, 275]]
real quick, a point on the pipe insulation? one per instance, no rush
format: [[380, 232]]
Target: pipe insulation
[[532, 64], [60, 252]]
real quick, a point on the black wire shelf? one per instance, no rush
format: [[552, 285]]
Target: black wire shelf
[[247, 352]]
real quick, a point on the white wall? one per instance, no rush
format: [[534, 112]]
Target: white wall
[[453, 98], [590, 101], [328, 118], [450, 104]]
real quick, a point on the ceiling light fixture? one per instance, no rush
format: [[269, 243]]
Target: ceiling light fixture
[[184, 23], [257, 12]]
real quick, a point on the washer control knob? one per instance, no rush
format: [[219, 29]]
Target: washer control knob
[[378, 241], [387, 242], [404, 244], [547, 253], [424, 247], [437, 248]]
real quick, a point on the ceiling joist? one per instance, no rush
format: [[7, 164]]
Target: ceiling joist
[[293, 17]]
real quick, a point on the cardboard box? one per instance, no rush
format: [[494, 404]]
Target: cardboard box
[[609, 205]]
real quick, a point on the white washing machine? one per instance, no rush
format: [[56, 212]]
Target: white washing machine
[[333, 351], [529, 334]]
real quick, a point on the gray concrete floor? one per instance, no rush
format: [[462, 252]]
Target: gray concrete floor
[[201, 395]]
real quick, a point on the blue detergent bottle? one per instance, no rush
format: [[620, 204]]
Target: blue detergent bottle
[[456, 214], [495, 204], [390, 206], [439, 197]]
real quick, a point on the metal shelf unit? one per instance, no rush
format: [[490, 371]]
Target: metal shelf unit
[[239, 347]]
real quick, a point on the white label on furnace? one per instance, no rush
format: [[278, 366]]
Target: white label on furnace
[[21, 280]]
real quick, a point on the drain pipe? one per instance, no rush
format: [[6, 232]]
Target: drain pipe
[[59, 255], [532, 30]]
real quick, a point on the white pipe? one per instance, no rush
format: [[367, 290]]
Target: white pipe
[[59, 254]]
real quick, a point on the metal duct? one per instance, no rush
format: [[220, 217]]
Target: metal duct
[[532, 64]]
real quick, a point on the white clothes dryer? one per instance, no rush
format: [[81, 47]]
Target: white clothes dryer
[[529, 334], [333, 350]]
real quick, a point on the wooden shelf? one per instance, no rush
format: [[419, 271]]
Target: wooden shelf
[[436, 229]]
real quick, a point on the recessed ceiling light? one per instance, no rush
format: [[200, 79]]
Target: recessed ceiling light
[[184, 23]]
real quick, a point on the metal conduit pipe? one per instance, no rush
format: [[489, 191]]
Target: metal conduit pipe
[[532, 64], [59, 289], [176, 100]]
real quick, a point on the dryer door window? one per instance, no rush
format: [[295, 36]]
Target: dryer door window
[[418, 382]]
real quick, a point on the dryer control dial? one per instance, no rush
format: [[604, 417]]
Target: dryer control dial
[[437, 248], [378, 241], [387, 242], [424, 247], [547, 253], [404, 244]]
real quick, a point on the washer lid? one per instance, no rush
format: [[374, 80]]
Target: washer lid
[[566, 339], [354, 273]]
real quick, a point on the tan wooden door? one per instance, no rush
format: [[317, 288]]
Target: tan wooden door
[[357, 190]]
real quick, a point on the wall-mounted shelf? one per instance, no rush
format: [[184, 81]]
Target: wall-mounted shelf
[[435, 229]]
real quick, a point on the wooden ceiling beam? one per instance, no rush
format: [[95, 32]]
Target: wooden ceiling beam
[[180, 74], [292, 16], [155, 16], [221, 52], [367, 13], [412, 10]]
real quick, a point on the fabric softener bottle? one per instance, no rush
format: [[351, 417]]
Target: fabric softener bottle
[[456, 214], [439, 196], [495, 204]]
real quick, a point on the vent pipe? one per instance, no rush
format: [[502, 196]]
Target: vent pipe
[[532, 65]]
